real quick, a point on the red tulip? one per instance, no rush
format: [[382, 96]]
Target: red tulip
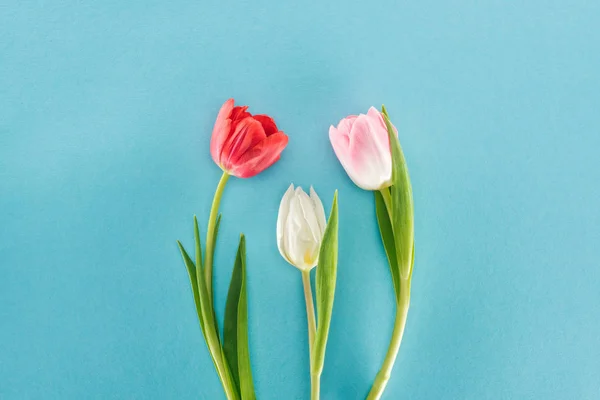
[[243, 144]]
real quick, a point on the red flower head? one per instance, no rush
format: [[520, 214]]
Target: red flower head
[[243, 144]]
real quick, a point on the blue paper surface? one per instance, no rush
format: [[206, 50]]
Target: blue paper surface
[[106, 111]]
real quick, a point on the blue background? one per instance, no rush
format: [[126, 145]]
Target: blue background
[[106, 110]]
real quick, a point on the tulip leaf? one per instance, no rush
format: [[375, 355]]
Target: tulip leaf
[[325, 284], [199, 260], [402, 203], [387, 237], [216, 232], [235, 331], [191, 268], [231, 317], [200, 298]]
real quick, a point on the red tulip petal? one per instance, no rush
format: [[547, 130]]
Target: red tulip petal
[[248, 133], [262, 156], [267, 123], [239, 113], [221, 130]]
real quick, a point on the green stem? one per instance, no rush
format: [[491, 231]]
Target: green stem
[[210, 235], [383, 376], [315, 387], [312, 331]]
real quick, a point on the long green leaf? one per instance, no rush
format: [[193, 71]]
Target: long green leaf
[[215, 234], [210, 335], [387, 237], [191, 269], [325, 282], [230, 326], [199, 259], [199, 270], [402, 203], [235, 337], [244, 366]]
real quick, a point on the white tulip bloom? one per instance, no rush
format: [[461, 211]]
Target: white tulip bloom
[[300, 227]]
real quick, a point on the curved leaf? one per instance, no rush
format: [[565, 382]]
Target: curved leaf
[[325, 282], [235, 331], [402, 203], [387, 237]]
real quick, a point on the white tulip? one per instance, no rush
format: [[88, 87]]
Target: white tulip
[[300, 227]]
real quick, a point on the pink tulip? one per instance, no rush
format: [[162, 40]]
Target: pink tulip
[[362, 145]]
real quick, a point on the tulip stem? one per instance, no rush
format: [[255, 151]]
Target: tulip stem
[[383, 376], [210, 235], [312, 331]]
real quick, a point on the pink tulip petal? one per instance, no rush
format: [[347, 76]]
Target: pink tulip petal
[[345, 125], [370, 160], [341, 147]]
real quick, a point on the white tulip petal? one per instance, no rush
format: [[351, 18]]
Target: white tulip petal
[[319, 211], [284, 210], [300, 226], [310, 217]]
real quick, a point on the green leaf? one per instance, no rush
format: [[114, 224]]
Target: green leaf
[[215, 234], [387, 237], [245, 368], [402, 203], [199, 267], [325, 282], [202, 306], [230, 325], [191, 268], [235, 337]]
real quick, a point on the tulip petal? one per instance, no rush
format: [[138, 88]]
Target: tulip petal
[[378, 128], [294, 233], [319, 211], [345, 125], [371, 162], [261, 156], [267, 123], [308, 212], [341, 147], [284, 210], [248, 133], [221, 131], [239, 113]]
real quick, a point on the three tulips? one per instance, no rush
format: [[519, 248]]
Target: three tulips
[[243, 145]]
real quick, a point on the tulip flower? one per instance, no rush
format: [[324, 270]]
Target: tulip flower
[[305, 240], [243, 144], [368, 149], [300, 227], [362, 145]]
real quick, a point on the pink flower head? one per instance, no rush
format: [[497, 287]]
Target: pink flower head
[[243, 144], [362, 145]]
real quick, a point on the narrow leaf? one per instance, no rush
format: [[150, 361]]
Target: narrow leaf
[[208, 325], [402, 203], [387, 237], [325, 282], [215, 234], [230, 326], [199, 259], [192, 274], [244, 366], [204, 310]]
